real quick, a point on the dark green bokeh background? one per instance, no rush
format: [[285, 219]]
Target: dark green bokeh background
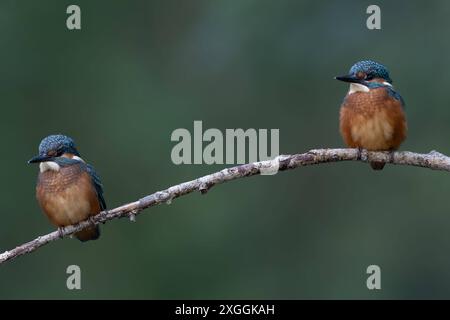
[[140, 69]]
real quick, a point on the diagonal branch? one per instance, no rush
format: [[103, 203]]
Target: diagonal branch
[[433, 160]]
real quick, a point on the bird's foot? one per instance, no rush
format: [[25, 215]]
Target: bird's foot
[[91, 220], [61, 232], [359, 153]]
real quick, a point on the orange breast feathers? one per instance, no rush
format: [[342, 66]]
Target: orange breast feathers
[[372, 120], [67, 196]]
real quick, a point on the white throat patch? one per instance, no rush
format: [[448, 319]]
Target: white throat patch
[[357, 87], [49, 165], [78, 158]]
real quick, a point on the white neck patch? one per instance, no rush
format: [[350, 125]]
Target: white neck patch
[[78, 158], [49, 165], [357, 87]]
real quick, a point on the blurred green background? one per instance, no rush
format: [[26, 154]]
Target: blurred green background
[[140, 69]]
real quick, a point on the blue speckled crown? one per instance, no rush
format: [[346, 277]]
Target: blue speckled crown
[[372, 69], [58, 142]]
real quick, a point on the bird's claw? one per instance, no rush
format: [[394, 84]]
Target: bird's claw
[[61, 232], [359, 153], [91, 220]]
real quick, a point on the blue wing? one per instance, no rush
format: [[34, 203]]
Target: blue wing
[[98, 185], [396, 95]]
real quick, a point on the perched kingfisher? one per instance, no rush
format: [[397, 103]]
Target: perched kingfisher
[[68, 189], [372, 114]]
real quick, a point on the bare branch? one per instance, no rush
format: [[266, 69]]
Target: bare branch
[[433, 160]]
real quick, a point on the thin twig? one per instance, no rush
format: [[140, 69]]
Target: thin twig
[[433, 160]]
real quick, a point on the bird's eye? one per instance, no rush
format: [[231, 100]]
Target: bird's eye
[[51, 153], [361, 75]]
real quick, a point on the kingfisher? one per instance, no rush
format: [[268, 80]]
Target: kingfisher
[[372, 114], [68, 189]]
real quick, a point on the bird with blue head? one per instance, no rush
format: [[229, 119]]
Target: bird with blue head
[[372, 114], [68, 189]]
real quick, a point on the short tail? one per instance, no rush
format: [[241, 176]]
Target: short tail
[[92, 233], [377, 165]]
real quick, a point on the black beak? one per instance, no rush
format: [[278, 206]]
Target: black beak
[[38, 159], [349, 78]]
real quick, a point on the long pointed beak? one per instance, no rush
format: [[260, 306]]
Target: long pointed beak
[[349, 78], [38, 159]]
